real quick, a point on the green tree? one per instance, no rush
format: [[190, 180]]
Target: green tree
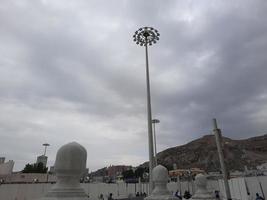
[[35, 168], [128, 174], [139, 172], [28, 168]]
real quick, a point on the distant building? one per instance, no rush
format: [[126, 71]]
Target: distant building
[[262, 169], [185, 172], [116, 170], [6, 168], [42, 159], [262, 166], [2, 160]]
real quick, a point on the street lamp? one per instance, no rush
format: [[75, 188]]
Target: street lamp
[[45, 145], [154, 122], [147, 36]]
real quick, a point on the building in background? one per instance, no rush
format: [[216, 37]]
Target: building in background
[[114, 170], [6, 168], [2, 160], [185, 173], [42, 159]]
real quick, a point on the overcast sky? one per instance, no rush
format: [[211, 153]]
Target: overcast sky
[[69, 71]]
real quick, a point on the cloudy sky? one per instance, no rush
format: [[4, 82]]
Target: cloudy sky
[[69, 71]]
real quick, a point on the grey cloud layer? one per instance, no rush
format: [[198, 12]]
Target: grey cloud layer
[[69, 71]]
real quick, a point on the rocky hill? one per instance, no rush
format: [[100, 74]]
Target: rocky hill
[[202, 153], [99, 172]]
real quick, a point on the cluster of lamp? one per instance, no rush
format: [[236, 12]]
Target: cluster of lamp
[[146, 35]]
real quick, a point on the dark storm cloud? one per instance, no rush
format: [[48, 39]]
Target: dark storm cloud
[[70, 71]]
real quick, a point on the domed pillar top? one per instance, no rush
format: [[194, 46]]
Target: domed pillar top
[[201, 188], [69, 166], [160, 179]]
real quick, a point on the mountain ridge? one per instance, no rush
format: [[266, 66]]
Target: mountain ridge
[[202, 153]]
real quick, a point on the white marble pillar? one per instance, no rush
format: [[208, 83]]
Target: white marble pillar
[[160, 179], [70, 164], [201, 189]]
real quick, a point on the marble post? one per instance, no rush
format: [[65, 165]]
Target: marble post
[[70, 164], [160, 179], [201, 189]]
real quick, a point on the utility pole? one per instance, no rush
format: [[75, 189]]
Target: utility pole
[[218, 136]]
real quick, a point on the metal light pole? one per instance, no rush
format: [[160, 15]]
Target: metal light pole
[[154, 122], [45, 145], [147, 36], [217, 133]]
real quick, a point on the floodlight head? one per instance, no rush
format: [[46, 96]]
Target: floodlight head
[[155, 121], [146, 36]]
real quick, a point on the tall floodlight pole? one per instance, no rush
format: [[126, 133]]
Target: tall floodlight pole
[[218, 136], [147, 36], [154, 122], [45, 145]]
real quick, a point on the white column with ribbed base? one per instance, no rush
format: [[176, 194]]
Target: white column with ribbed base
[[70, 164], [201, 189], [160, 180]]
